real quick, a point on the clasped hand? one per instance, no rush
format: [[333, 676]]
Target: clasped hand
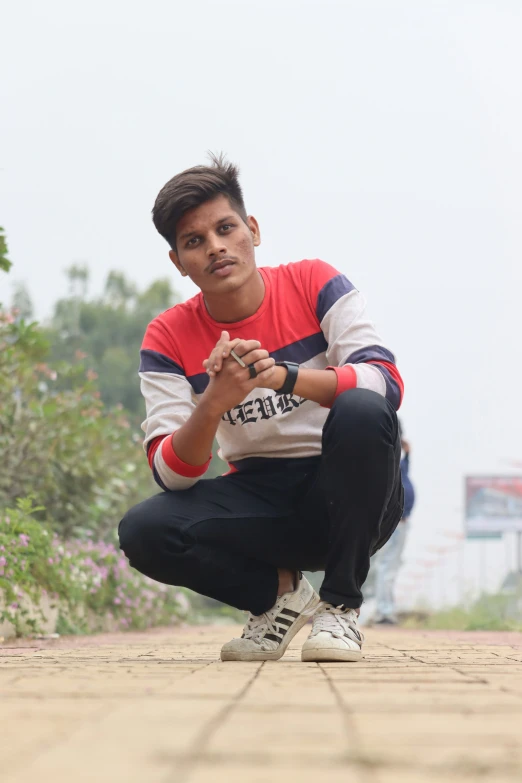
[[229, 382]]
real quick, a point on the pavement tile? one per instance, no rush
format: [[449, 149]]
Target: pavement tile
[[265, 772], [300, 735], [139, 742], [160, 707]]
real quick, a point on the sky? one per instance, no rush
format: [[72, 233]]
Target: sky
[[381, 137]]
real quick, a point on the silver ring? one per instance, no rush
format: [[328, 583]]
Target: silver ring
[[238, 359]]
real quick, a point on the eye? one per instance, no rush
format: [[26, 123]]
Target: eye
[[192, 242], [226, 226]]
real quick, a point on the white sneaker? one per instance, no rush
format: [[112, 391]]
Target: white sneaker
[[334, 636], [266, 636]]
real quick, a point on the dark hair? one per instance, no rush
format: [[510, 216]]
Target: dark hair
[[192, 188]]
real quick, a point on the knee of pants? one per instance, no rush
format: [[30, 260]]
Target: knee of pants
[[146, 536], [131, 533], [365, 416]]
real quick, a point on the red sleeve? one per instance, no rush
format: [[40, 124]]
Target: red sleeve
[[177, 465]]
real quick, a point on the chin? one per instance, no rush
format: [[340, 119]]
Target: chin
[[227, 285]]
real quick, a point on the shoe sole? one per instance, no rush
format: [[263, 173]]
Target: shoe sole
[[318, 654], [247, 655]]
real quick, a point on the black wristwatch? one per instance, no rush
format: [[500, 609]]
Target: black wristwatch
[[291, 377]]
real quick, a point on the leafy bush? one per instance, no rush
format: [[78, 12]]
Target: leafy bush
[[91, 582], [58, 442]]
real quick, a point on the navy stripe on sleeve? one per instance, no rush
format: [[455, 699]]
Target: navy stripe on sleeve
[[370, 353], [158, 480], [333, 290], [152, 361], [377, 353], [302, 350]]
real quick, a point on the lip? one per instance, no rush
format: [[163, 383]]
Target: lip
[[222, 268]]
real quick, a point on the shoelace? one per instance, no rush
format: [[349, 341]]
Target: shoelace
[[337, 621], [259, 625]]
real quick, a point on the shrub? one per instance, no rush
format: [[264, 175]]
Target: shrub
[[57, 441], [90, 581]]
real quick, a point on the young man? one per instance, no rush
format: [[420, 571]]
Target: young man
[[284, 368]]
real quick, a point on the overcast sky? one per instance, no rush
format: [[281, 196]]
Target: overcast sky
[[384, 137]]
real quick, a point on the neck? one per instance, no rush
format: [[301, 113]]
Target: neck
[[237, 305]]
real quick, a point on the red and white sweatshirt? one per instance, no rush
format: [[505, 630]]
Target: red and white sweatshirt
[[311, 314]]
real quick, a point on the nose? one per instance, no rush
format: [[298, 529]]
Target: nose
[[215, 245]]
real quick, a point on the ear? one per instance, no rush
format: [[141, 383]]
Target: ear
[[175, 260], [254, 230]]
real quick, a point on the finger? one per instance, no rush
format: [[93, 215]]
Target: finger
[[263, 365], [221, 351], [216, 360], [265, 379], [245, 346], [217, 352], [237, 358], [254, 356], [230, 345], [224, 338]]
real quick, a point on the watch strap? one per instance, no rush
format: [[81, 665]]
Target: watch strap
[[291, 377]]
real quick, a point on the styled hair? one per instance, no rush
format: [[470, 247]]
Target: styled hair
[[193, 187]]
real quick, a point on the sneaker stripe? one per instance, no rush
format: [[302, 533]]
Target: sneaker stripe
[[273, 638], [290, 612], [284, 621]]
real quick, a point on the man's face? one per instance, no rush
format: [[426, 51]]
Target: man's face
[[215, 247]]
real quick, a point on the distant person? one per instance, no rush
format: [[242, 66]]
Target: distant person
[[284, 367], [390, 558]]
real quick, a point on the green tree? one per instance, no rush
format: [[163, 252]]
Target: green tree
[[107, 331]]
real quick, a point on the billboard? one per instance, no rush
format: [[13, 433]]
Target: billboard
[[493, 505]]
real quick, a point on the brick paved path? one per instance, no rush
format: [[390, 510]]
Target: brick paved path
[[159, 707]]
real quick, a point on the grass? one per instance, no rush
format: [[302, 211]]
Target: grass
[[490, 612]]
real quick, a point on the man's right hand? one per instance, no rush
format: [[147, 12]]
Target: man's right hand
[[224, 345], [231, 383]]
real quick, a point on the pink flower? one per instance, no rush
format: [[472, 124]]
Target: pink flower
[[3, 561], [117, 601], [24, 539]]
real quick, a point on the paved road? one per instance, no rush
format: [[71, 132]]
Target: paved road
[[159, 707]]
